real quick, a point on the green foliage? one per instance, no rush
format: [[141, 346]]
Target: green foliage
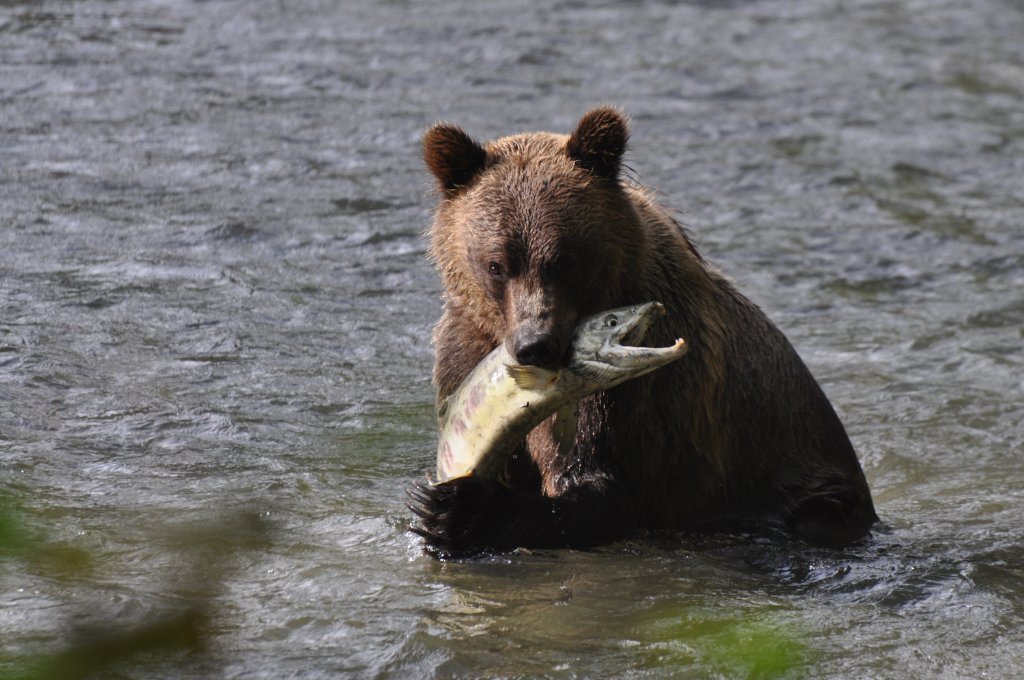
[[756, 650], [103, 648], [95, 651], [752, 643]]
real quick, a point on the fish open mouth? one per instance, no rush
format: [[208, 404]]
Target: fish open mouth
[[635, 330], [622, 349]]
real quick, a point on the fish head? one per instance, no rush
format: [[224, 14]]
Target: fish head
[[606, 350], [615, 328]]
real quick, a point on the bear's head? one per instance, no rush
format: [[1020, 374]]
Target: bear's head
[[533, 231]]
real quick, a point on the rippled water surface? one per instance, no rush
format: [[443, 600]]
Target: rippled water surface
[[215, 311]]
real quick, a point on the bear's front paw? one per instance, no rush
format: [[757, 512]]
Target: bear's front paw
[[463, 517]]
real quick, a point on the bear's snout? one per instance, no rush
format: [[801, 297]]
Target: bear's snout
[[537, 349]]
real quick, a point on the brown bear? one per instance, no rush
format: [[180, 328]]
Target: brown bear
[[533, 232]]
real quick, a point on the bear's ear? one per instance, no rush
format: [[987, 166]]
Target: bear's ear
[[599, 141], [452, 156]]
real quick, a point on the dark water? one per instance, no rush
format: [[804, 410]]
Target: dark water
[[214, 300]]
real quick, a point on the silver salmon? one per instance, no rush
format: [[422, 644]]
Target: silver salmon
[[500, 401]]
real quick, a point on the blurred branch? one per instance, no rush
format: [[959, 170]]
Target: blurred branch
[[207, 553], [100, 649]]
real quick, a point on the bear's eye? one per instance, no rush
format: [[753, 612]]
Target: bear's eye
[[567, 262], [495, 271], [611, 321]]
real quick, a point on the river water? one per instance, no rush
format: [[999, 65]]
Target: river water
[[215, 312]]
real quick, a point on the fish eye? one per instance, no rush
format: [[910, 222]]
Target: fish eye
[[611, 321]]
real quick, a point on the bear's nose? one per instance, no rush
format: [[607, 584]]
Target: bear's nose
[[537, 349]]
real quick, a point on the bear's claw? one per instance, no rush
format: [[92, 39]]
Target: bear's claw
[[464, 517]]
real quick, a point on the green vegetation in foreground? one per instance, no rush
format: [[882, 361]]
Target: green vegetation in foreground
[[759, 649], [103, 648], [746, 644], [163, 637]]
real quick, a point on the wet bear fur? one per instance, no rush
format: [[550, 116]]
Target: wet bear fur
[[533, 232]]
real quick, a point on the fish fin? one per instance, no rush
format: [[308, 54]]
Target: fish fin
[[531, 377], [564, 428]]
